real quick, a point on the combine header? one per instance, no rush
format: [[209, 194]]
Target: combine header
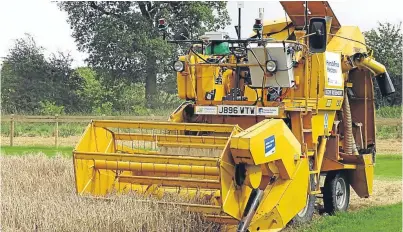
[[269, 123]]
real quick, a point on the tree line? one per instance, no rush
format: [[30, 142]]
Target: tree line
[[129, 64]]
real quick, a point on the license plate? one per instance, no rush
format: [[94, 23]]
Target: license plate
[[236, 110]]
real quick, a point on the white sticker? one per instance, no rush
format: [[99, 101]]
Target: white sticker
[[206, 110], [329, 102], [271, 111], [236, 110], [326, 120], [269, 146], [333, 69]]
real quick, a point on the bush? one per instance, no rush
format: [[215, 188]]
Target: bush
[[105, 108], [50, 108]]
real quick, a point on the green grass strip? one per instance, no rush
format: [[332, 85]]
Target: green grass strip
[[388, 166], [374, 219], [47, 150]]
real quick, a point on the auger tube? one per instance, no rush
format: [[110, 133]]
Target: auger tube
[[381, 75], [254, 202]]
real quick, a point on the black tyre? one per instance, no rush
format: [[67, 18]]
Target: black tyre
[[336, 193], [306, 214]]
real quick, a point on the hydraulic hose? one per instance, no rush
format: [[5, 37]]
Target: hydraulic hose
[[350, 147]]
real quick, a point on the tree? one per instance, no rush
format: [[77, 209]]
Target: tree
[[29, 81], [386, 42], [22, 82], [123, 40]]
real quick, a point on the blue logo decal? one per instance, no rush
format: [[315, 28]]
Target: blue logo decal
[[260, 110], [269, 145]]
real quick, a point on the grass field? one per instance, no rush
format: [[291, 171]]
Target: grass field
[[388, 166], [389, 131], [386, 130], [47, 150], [389, 112], [374, 219]]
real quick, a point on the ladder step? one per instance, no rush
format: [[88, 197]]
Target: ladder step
[[311, 153], [314, 172], [316, 192], [307, 130]]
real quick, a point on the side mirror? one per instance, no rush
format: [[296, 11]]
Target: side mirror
[[318, 35]]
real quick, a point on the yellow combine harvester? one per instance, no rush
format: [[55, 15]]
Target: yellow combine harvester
[[269, 123]]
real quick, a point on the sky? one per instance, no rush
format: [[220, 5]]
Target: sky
[[47, 24]]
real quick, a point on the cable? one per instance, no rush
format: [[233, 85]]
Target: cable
[[191, 49], [260, 65], [282, 95], [257, 97], [351, 40], [282, 70]]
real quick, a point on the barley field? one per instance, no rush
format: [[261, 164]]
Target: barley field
[[37, 194]]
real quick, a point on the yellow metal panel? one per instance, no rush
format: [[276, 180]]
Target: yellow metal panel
[[190, 145], [252, 94], [171, 181], [322, 123], [171, 138], [283, 35], [156, 168], [186, 80], [345, 46], [205, 79], [164, 125], [161, 159], [291, 182], [254, 140], [283, 201], [276, 25]]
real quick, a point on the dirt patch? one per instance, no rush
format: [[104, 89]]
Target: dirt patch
[[385, 192], [389, 146]]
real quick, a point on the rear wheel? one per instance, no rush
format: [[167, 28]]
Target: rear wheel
[[336, 193]]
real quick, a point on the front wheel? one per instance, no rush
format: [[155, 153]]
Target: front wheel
[[336, 193], [306, 214]]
